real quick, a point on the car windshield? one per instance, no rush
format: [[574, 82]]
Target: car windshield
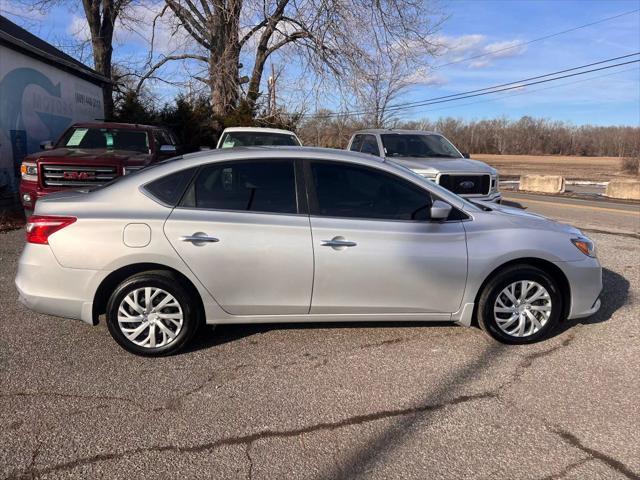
[[418, 145], [252, 139], [108, 138]]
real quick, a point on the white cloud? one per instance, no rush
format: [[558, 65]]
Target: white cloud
[[475, 48]]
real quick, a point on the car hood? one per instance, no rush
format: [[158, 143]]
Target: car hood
[[444, 165], [85, 156], [522, 218]]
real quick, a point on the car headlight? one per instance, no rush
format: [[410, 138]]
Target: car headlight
[[585, 245], [29, 171]]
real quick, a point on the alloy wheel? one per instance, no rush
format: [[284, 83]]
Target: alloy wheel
[[150, 317], [522, 308]]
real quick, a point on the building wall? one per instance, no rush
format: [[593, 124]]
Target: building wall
[[37, 103]]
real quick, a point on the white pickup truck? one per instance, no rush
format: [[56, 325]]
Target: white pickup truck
[[432, 156]]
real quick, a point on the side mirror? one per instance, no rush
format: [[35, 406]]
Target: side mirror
[[440, 210], [168, 149], [46, 145], [466, 154]]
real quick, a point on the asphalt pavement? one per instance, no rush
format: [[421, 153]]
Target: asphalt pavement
[[315, 401]]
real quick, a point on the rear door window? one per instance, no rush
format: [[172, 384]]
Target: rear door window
[[250, 186]]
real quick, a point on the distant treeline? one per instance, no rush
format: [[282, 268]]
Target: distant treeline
[[192, 122], [527, 136]]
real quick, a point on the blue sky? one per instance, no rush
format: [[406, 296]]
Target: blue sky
[[610, 97]]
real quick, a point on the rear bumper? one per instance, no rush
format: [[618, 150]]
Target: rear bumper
[[585, 283], [46, 287]]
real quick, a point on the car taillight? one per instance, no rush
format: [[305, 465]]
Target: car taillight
[[40, 227]]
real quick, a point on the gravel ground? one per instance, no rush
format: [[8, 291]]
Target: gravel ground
[[325, 401]]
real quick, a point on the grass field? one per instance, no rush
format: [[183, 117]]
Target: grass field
[[572, 168]]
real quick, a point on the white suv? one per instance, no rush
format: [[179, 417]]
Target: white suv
[[432, 156], [257, 136]]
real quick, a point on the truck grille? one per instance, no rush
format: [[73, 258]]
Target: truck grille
[[466, 184], [72, 176]]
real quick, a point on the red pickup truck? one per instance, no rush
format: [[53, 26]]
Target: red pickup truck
[[92, 154]]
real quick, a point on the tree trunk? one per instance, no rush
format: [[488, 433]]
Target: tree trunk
[[224, 60], [102, 61]]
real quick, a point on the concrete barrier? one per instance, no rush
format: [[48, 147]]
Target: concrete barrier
[[542, 183], [624, 189]]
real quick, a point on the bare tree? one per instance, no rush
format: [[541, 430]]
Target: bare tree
[[101, 18], [331, 35]]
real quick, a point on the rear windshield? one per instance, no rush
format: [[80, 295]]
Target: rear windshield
[[252, 139], [105, 138]]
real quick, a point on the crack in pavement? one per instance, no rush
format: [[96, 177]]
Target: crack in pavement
[[568, 469], [70, 395], [250, 438], [247, 452], [611, 462], [527, 361], [247, 440]]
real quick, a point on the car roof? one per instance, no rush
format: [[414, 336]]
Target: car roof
[[283, 151], [128, 126], [379, 131], [258, 130]]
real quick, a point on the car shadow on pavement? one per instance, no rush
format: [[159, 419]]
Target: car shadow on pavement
[[614, 295], [209, 336], [615, 292]]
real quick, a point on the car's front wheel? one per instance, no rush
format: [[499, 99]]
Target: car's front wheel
[[151, 314], [521, 304]]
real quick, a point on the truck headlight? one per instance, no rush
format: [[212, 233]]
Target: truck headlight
[[428, 174], [29, 171], [495, 181]]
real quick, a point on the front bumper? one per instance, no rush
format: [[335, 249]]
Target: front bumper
[[45, 286], [585, 284]]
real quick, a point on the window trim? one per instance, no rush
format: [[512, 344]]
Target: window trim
[[301, 203]]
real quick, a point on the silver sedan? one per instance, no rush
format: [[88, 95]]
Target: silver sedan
[[263, 235]]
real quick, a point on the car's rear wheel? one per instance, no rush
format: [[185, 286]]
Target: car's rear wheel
[[521, 304], [151, 314]]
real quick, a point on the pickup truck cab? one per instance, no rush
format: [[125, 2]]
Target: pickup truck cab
[[257, 136], [432, 156], [90, 155]]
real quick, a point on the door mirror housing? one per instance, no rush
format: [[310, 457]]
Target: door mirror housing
[[440, 210], [168, 149], [46, 145], [466, 154]]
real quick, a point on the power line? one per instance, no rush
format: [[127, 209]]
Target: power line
[[539, 39], [492, 89], [530, 91], [537, 77]]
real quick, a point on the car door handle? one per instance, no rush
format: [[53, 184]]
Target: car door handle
[[197, 238], [339, 243]]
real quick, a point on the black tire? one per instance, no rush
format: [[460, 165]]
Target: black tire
[[501, 280], [170, 284]]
